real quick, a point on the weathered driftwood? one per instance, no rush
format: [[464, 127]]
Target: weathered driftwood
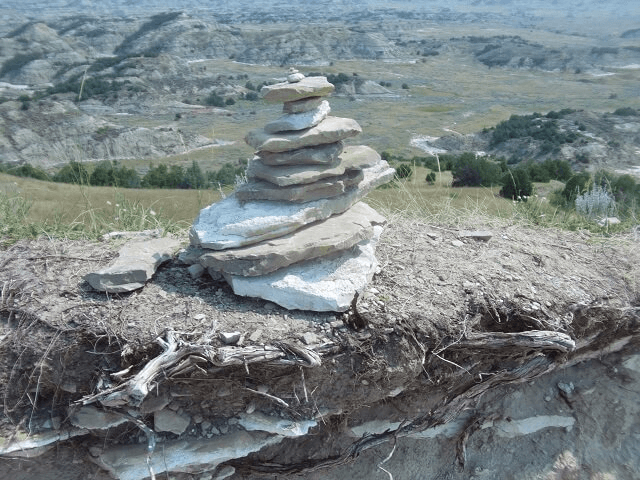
[[531, 340], [178, 356]]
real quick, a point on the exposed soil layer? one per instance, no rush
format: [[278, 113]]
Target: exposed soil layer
[[449, 328]]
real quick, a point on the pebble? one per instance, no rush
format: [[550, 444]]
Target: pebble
[[205, 426], [457, 243], [200, 316], [365, 382], [230, 338]]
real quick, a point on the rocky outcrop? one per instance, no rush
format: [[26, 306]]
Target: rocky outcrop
[[283, 236]]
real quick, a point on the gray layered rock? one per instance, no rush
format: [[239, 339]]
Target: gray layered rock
[[231, 223], [350, 159], [288, 92], [129, 462], [304, 105], [135, 265], [330, 130], [337, 233], [308, 192], [304, 156], [299, 121], [326, 284]]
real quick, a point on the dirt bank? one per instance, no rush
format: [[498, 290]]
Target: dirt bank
[[457, 341]]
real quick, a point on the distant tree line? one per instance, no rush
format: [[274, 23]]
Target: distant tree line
[[111, 174]]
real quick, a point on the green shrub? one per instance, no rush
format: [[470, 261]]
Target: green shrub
[[404, 171], [72, 172], [576, 185], [431, 178], [27, 170], [473, 171], [626, 112], [596, 202], [516, 184], [214, 99]]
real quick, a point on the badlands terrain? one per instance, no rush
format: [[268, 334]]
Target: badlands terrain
[[510, 352]]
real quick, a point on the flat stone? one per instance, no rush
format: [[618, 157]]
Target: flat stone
[[476, 235], [168, 421], [129, 462], [280, 426], [295, 77], [230, 338], [304, 105], [299, 121], [190, 255], [325, 188], [196, 271], [330, 130], [326, 284], [231, 223], [352, 158], [136, 263], [91, 418], [153, 404], [337, 233], [322, 154], [288, 92]]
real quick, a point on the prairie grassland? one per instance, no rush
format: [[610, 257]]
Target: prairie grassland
[[74, 210]]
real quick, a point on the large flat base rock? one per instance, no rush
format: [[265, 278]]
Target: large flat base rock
[[327, 284], [337, 233], [231, 223], [135, 265], [330, 130]]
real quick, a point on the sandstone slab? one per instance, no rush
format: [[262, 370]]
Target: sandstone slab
[[231, 223], [326, 284], [170, 421], [288, 92], [299, 121], [319, 155], [136, 263], [330, 130], [327, 237], [304, 105], [129, 462], [325, 188], [352, 158]]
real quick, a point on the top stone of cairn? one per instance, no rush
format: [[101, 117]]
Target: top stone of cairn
[[291, 91]]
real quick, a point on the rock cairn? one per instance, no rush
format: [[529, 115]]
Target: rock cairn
[[296, 233]]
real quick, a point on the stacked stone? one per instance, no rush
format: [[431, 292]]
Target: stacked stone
[[296, 233]]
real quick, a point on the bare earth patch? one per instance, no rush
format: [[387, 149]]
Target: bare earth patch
[[445, 336]]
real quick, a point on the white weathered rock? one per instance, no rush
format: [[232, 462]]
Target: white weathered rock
[[337, 233], [330, 130], [231, 223], [327, 284], [321, 154], [299, 121], [352, 158], [91, 418], [515, 428], [280, 426], [295, 77], [136, 263], [169, 421], [308, 192], [230, 338], [483, 235], [304, 105], [36, 444], [129, 462], [288, 92]]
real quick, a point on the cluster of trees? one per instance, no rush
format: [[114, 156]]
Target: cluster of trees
[[112, 174], [536, 126], [471, 170]]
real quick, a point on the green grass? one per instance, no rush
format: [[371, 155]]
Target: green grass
[[29, 208]]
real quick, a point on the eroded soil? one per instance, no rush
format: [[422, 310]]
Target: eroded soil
[[448, 323]]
